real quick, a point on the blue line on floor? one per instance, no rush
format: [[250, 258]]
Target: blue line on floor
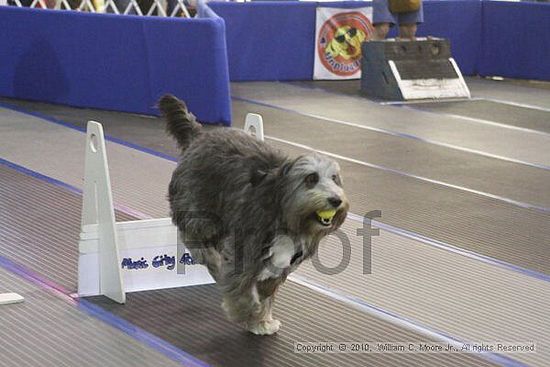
[[450, 248], [393, 133], [97, 312], [152, 341], [81, 129]]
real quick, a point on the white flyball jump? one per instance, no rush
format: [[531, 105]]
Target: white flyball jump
[[119, 257], [254, 126]]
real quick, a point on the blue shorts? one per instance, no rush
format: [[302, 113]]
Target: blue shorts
[[381, 14]]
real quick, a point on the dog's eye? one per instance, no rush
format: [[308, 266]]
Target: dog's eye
[[336, 179], [312, 179]]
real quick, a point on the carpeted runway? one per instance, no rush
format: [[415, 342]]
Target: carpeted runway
[[462, 255]]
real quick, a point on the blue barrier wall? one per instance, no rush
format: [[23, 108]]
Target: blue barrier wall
[[274, 40], [459, 21], [122, 63], [268, 41], [125, 63], [516, 40]]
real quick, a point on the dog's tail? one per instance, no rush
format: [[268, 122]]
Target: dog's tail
[[180, 123]]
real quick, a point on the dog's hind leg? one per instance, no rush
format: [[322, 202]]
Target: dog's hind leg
[[201, 235], [213, 262], [239, 300], [208, 256]]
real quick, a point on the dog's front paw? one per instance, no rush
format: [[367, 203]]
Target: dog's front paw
[[264, 327]]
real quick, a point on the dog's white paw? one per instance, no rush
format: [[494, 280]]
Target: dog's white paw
[[264, 327]]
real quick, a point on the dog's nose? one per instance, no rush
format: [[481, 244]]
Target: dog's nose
[[335, 201]]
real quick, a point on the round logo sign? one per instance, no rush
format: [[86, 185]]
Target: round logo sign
[[340, 38]]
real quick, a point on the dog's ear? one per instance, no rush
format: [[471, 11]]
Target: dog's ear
[[287, 166], [258, 176]]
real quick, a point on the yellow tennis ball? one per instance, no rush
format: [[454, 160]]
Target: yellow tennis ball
[[326, 214]]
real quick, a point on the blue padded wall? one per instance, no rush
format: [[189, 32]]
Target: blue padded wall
[[516, 40], [268, 40], [122, 63], [460, 22]]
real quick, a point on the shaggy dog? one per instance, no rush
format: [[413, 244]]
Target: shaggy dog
[[248, 212]]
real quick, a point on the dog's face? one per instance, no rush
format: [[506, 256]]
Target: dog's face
[[314, 200]]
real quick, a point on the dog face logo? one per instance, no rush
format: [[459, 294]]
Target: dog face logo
[[346, 43], [340, 40]]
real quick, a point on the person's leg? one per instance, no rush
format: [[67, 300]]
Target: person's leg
[[408, 23], [382, 18], [407, 31], [382, 30]]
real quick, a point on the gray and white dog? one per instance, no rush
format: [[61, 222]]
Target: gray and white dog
[[248, 212]]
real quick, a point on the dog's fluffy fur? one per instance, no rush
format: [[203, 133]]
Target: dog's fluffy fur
[[247, 211]]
